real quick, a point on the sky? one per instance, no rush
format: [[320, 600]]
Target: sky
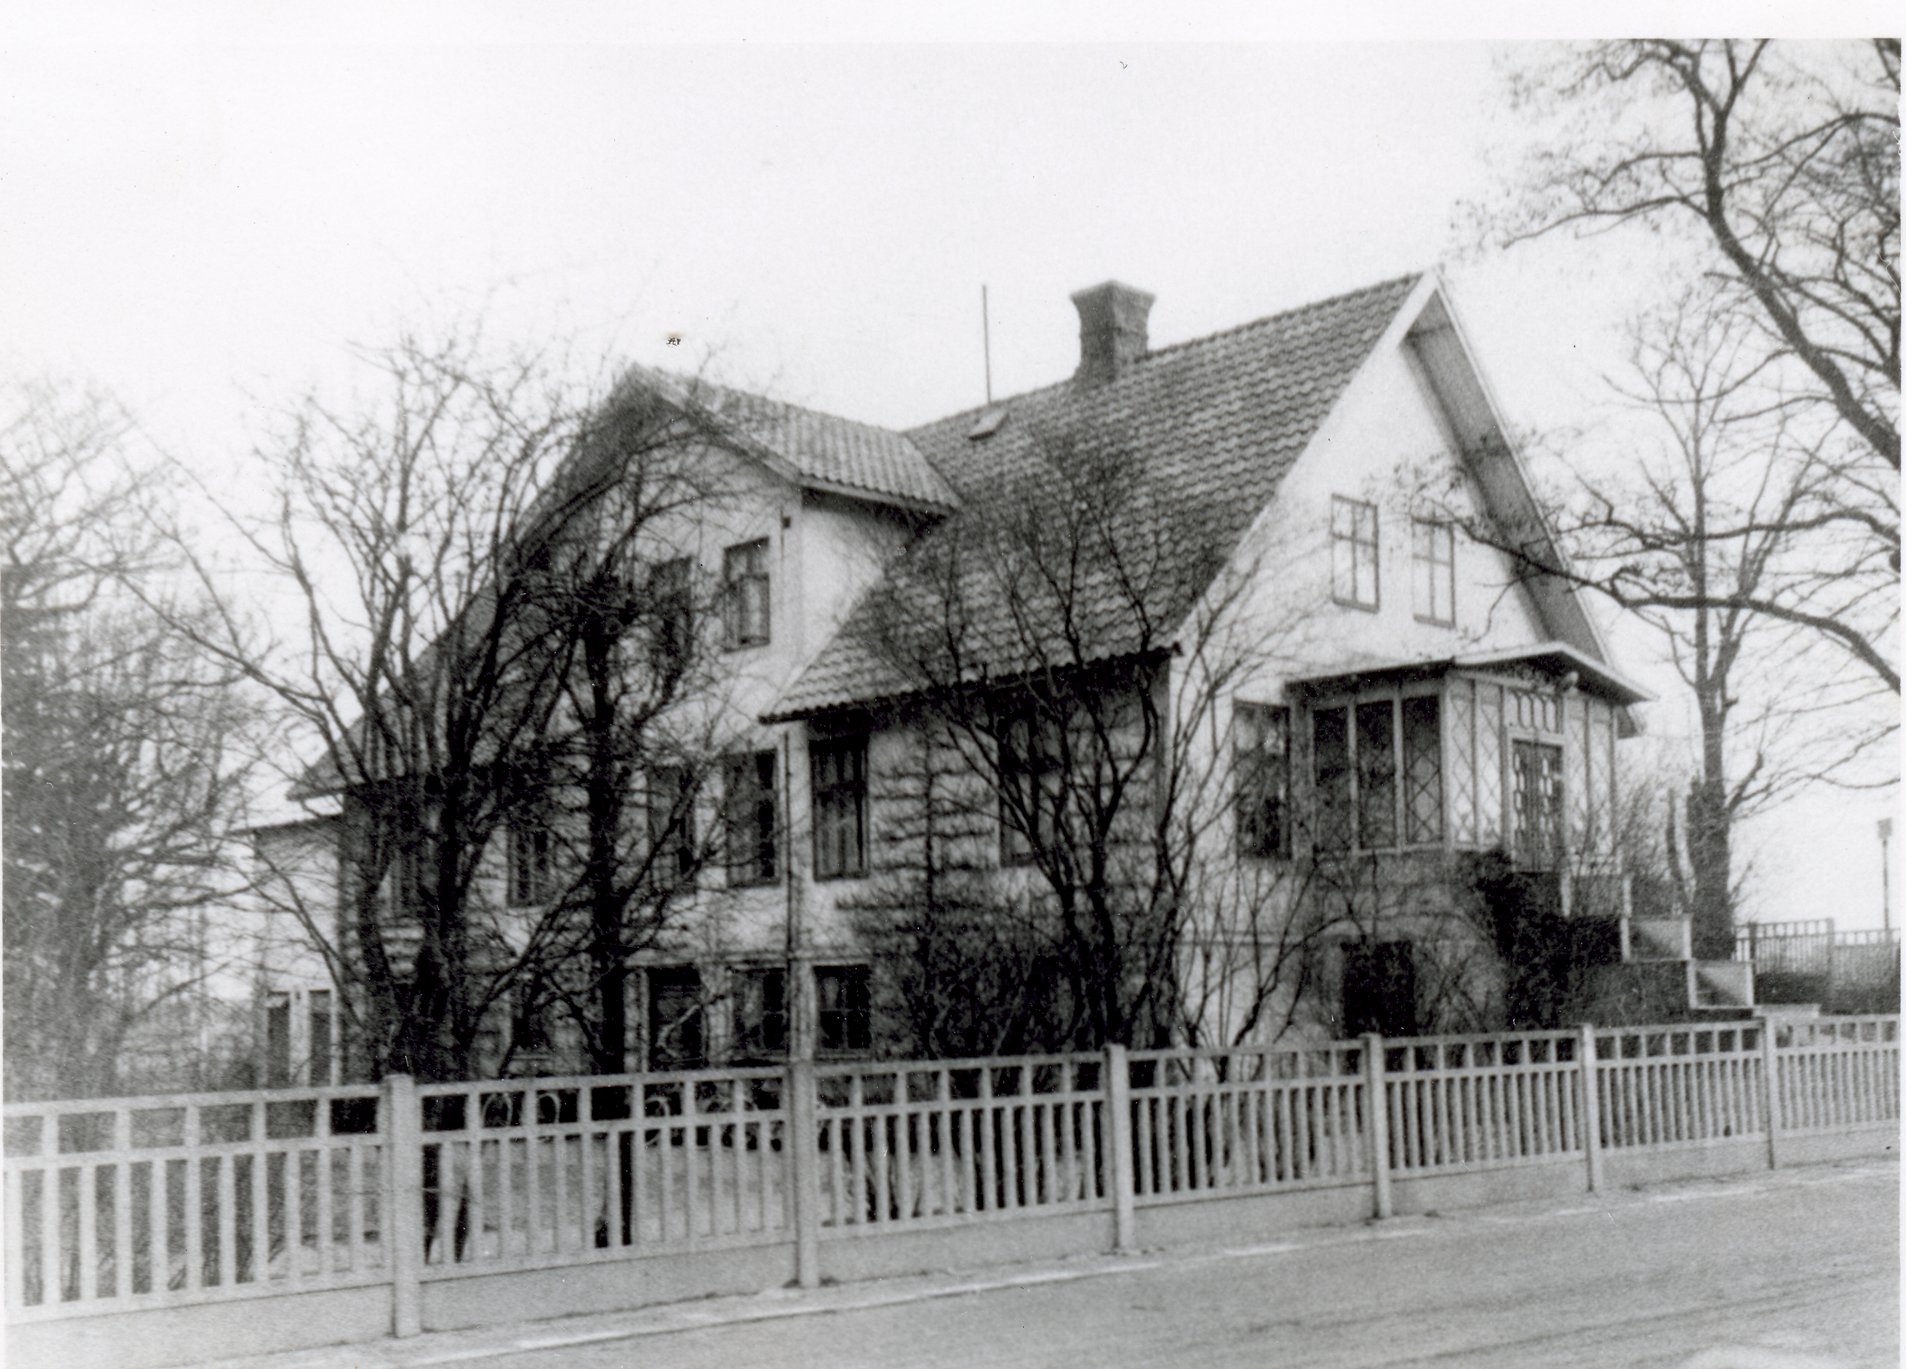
[[203, 208]]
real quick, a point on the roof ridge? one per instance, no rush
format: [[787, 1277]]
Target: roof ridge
[[1283, 315]]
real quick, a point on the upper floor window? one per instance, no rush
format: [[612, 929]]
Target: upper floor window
[[1031, 787], [843, 1002], [1263, 779], [671, 815], [840, 807], [751, 818], [1433, 571], [529, 862], [671, 591], [1377, 774], [744, 585], [1353, 552]]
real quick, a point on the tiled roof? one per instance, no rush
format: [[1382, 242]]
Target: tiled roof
[[830, 450], [1217, 422]]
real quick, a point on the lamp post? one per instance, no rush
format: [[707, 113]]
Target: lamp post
[[1886, 881]]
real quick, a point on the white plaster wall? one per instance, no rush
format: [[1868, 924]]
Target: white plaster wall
[[1383, 437]]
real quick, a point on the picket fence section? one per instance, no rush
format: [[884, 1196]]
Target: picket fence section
[[912, 1144], [1212, 1123], [566, 1170], [1462, 1103], [187, 1198], [123, 1204]]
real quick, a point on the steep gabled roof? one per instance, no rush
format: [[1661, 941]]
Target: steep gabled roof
[[812, 449], [1218, 421]]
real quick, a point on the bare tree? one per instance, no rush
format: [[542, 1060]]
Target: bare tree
[[1782, 163], [1071, 647], [123, 763], [471, 563], [1721, 535]]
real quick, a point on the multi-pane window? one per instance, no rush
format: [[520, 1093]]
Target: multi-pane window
[[750, 812], [1031, 786], [671, 591], [675, 1018], [671, 815], [744, 600], [529, 1024], [1353, 552], [761, 1012], [1535, 806], [278, 1041], [1263, 779], [1330, 777], [839, 772], [1377, 774], [529, 862], [323, 1049], [843, 1000], [1433, 571], [1422, 770]]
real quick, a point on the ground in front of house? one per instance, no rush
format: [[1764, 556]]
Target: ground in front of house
[[1793, 1270]]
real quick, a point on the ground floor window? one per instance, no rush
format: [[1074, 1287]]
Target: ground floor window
[[844, 1002], [761, 1013], [675, 1018], [1535, 808], [1377, 774]]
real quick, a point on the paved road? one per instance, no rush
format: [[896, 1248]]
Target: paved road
[[1798, 1269]]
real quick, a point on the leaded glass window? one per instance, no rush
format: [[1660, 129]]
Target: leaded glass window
[[1376, 775], [1330, 761], [1422, 770]]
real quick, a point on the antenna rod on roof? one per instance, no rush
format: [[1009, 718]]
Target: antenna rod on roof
[[986, 342]]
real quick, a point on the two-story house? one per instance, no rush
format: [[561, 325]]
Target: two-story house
[[1392, 692]]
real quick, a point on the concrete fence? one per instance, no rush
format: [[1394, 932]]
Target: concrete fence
[[168, 1230]]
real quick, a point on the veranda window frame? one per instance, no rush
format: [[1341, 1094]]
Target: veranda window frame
[[1404, 826]]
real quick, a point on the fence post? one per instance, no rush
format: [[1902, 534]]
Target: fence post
[[1376, 1118], [1118, 1145], [402, 1217], [804, 1164], [1770, 1089], [1591, 1110]]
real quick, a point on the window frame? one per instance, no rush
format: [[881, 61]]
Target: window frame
[[1263, 832], [529, 878], [1427, 537], [755, 860], [1029, 753], [853, 1018], [671, 590], [1402, 732], [745, 572], [687, 978], [676, 784], [837, 803], [759, 1029], [1351, 541]]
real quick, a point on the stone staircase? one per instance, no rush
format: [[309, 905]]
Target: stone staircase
[[1658, 978]]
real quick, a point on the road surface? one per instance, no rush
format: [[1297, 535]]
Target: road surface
[[1780, 1271]]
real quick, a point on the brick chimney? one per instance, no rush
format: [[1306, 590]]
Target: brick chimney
[[1111, 330]]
